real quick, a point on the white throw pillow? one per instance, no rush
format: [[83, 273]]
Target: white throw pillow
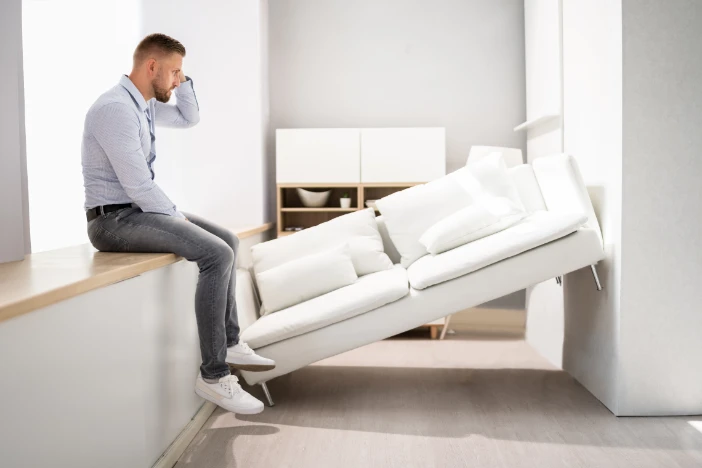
[[305, 278], [410, 212], [484, 218], [358, 229], [490, 176]]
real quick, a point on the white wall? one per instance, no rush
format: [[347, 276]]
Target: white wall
[[74, 50], [216, 169], [632, 117], [13, 209], [661, 319], [592, 59], [104, 380]]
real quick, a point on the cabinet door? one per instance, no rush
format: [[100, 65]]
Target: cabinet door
[[311, 155], [402, 154]]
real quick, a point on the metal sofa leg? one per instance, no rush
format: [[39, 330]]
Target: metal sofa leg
[[447, 320], [268, 394], [597, 278]]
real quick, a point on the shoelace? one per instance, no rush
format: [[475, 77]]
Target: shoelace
[[244, 348], [231, 384]]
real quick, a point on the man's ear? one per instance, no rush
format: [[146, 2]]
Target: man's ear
[[151, 66]]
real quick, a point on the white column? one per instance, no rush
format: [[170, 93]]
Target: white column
[[542, 18], [14, 222], [592, 58]]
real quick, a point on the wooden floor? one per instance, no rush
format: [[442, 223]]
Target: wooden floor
[[462, 402]]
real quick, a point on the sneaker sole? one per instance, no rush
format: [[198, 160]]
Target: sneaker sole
[[232, 410], [251, 367]]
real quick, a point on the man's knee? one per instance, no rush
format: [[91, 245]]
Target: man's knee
[[232, 241], [221, 250], [221, 253]]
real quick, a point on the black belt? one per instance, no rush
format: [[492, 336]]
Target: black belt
[[101, 210]]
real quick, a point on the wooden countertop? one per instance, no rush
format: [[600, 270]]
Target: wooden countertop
[[45, 278]]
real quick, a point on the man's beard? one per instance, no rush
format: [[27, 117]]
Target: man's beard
[[161, 94]]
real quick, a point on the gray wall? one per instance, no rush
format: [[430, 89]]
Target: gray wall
[[457, 64], [399, 63], [13, 167], [661, 302]]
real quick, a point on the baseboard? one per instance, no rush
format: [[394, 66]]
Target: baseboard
[[175, 450], [511, 322]]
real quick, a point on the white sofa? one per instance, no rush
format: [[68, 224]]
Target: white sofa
[[546, 244]]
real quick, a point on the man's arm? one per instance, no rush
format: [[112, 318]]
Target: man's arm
[[186, 112], [116, 129]]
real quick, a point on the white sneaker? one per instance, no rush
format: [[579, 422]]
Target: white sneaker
[[240, 356], [228, 394]]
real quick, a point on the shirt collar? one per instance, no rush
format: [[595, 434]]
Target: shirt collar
[[136, 94]]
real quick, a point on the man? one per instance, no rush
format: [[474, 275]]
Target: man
[[128, 212]]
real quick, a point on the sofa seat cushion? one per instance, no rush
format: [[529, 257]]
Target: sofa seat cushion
[[537, 229], [367, 293]]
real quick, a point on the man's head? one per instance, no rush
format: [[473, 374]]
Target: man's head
[[158, 60]]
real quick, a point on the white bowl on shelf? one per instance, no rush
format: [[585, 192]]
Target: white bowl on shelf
[[313, 199], [371, 204]]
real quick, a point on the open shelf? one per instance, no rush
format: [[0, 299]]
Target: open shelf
[[315, 210], [292, 213]]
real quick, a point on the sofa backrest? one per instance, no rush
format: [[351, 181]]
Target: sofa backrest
[[524, 179], [563, 188], [552, 183]]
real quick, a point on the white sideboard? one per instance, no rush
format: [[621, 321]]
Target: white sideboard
[[360, 155], [318, 155], [402, 154]]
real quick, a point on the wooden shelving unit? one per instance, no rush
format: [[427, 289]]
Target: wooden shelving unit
[[291, 212]]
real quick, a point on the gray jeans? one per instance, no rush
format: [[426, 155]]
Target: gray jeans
[[211, 246]]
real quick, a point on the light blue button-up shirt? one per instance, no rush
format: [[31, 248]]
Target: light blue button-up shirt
[[119, 146]]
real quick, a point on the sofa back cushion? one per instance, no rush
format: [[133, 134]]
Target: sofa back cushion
[[358, 229], [410, 212], [489, 176]]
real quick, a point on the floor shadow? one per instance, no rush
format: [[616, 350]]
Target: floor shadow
[[530, 405], [215, 446]]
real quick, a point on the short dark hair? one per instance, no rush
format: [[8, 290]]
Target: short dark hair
[[157, 43]]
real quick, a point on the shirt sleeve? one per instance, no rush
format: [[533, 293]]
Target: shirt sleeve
[[116, 129], [185, 113]]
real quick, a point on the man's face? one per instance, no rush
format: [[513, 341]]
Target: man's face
[[167, 77]]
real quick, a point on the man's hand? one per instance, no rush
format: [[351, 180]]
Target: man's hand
[[182, 77]]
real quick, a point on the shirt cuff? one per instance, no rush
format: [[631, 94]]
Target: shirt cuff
[[185, 86]]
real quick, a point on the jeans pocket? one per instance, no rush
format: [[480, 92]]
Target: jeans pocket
[[106, 241]]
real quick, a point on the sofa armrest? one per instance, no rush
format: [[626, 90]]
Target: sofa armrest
[[563, 187], [247, 302]]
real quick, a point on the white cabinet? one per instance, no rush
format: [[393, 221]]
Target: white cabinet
[[402, 154], [352, 155], [313, 155]]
